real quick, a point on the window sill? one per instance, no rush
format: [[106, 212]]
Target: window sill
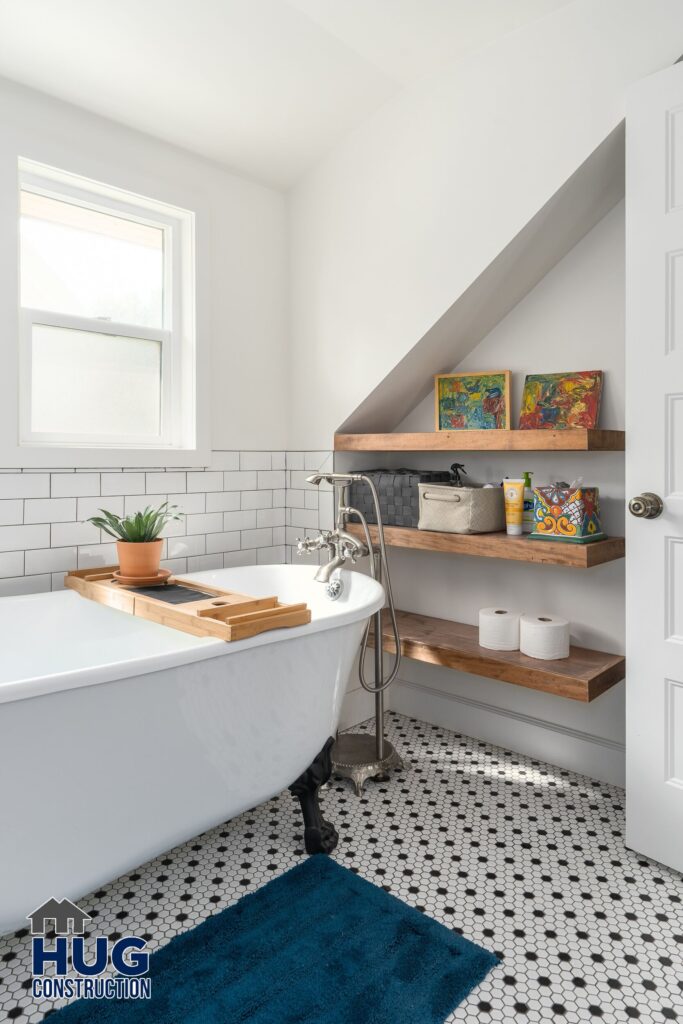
[[72, 457]]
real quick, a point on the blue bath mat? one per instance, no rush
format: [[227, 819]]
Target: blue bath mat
[[318, 945]]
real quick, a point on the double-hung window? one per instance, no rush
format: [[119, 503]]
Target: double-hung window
[[106, 318]]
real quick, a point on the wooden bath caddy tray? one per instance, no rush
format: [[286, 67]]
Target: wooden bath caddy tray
[[193, 608]]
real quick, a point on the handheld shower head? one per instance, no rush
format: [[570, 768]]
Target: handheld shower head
[[332, 478]]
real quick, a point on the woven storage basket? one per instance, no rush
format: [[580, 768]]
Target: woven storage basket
[[399, 499], [461, 509]]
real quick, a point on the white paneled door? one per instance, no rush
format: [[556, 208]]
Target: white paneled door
[[654, 467]]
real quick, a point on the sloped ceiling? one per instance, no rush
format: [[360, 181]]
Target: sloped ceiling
[[264, 87]]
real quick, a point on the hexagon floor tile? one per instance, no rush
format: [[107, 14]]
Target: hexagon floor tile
[[521, 857]]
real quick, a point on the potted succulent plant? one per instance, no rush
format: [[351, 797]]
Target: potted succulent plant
[[137, 537]]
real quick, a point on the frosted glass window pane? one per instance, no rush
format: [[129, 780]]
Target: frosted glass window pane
[[94, 384], [90, 264]]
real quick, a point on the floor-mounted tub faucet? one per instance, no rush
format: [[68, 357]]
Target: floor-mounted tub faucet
[[359, 757], [342, 547]]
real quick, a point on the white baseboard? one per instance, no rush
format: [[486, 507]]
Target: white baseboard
[[566, 747]]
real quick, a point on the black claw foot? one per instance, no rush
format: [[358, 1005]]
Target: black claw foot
[[319, 835], [321, 840]]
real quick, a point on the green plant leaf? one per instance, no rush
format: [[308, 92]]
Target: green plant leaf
[[139, 527]]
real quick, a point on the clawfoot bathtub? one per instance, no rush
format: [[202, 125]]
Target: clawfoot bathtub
[[120, 738]]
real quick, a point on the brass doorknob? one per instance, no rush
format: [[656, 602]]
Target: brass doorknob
[[646, 506]]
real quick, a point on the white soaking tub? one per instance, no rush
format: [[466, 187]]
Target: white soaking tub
[[120, 738]]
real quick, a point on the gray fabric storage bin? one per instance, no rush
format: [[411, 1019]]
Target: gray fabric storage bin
[[399, 498], [461, 509]]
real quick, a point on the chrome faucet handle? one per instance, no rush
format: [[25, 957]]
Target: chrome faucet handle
[[352, 547], [308, 544], [350, 552]]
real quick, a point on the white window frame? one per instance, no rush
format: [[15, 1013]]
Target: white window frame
[[176, 336]]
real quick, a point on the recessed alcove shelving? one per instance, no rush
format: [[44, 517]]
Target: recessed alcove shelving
[[496, 545], [586, 673]]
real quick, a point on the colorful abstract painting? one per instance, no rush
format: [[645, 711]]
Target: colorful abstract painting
[[560, 401], [473, 401]]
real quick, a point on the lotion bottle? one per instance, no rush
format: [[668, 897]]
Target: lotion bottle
[[513, 492]]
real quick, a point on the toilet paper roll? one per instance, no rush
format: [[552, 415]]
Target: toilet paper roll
[[499, 629], [544, 636]]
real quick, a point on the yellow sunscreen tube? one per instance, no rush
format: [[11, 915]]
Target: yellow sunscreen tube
[[514, 506]]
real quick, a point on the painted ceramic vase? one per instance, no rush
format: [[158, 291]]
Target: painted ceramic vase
[[567, 513]]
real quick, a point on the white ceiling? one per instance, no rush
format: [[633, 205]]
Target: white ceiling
[[265, 87]]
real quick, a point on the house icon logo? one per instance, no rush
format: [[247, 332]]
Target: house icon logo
[[63, 914], [63, 968]]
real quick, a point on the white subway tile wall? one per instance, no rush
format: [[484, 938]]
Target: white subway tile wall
[[308, 508], [246, 508]]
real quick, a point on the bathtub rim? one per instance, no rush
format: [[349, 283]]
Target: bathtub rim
[[205, 648]]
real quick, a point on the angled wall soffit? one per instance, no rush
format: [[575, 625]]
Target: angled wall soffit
[[578, 205]]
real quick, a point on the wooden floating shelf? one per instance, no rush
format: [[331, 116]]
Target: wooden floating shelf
[[499, 545], [578, 440], [583, 676]]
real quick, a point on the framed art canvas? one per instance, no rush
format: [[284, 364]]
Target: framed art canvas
[[472, 401], [560, 401]]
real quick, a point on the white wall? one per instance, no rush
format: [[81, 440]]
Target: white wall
[[235, 495], [402, 217], [572, 320], [241, 260]]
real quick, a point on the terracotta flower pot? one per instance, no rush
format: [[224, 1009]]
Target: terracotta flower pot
[[139, 559]]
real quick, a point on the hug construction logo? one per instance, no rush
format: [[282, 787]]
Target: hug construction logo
[[65, 969]]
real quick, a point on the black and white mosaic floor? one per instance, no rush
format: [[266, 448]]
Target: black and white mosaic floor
[[523, 858]]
